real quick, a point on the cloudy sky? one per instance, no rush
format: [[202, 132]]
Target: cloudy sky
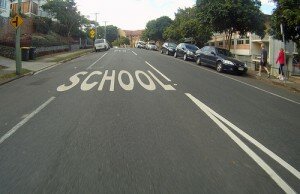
[[134, 14]]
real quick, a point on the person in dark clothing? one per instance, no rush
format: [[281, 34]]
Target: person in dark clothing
[[263, 60]]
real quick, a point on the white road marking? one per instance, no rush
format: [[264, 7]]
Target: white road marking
[[128, 86], [25, 120], [150, 86], [287, 99], [165, 87], [47, 68], [158, 71], [134, 53], [96, 61], [257, 144], [280, 182]]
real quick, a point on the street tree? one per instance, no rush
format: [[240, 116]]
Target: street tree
[[287, 13], [187, 25], [65, 11], [111, 32], [155, 28], [230, 16]]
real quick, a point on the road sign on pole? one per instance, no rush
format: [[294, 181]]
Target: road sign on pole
[[16, 21], [92, 33]]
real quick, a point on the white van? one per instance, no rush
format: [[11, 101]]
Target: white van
[[101, 44]]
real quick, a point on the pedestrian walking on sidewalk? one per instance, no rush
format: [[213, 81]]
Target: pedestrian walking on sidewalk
[[280, 60], [263, 60]]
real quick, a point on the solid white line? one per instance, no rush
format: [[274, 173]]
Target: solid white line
[[134, 53], [47, 68], [96, 61], [25, 120], [280, 182], [287, 99], [158, 71], [257, 144]]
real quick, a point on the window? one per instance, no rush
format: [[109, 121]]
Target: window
[[3, 4], [240, 42], [247, 41], [232, 42], [220, 43]]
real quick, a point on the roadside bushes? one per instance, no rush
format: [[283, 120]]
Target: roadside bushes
[[52, 39]]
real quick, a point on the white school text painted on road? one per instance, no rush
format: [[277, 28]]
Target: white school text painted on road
[[126, 80], [280, 182], [158, 71]]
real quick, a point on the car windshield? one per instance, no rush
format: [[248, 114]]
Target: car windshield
[[99, 41], [224, 52]]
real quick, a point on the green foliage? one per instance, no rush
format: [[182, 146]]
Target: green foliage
[[48, 40], [187, 24], [287, 12], [121, 41], [231, 16], [65, 11], [42, 24], [155, 28]]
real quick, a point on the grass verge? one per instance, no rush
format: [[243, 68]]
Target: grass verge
[[69, 56], [13, 75]]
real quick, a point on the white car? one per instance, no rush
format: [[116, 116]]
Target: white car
[[101, 44], [151, 46]]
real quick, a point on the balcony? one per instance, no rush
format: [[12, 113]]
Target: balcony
[[29, 8]]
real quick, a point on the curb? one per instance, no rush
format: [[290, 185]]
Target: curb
[[33, 72]]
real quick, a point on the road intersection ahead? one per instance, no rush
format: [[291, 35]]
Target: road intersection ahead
[[137, 121]]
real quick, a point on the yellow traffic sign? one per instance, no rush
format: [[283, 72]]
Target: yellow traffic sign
[[16, 21], [92, 33]]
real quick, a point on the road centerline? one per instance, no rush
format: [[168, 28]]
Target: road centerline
[[134, 53], [25, 120]]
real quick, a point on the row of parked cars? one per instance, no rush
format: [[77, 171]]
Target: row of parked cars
[[149, 46], [218, 58]]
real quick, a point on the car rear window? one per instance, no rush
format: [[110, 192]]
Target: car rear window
[[191, 47], [99, 41]]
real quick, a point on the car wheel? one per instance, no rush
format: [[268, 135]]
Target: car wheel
[[219, 67], [198, 61], [167, 52], [185, 57], [175, 55]]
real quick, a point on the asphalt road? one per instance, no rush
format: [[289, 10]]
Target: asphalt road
[[137, 121]]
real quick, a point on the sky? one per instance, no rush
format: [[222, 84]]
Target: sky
[[134, 14]]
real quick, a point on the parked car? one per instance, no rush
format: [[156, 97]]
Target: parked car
[[185, 50], [140, 44], [221, 59], [168, 48], [151, 46], [101, 44]]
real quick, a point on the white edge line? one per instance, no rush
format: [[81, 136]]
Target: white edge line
[[134, 53], [257, 144], [158, 71], [96, 61], [25, 120], [280, 182], [47, 68], [244, 83]]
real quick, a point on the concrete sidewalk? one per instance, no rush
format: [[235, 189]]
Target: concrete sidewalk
[[292, 83], [8, 66]]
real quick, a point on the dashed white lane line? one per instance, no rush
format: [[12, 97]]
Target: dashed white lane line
[[280, 182], [284, 98], [134, 53], [25, 120], [158, 71], [89, 67]]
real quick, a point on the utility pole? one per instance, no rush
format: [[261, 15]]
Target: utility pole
[[96, 17], [18, 47], [105, 29]]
